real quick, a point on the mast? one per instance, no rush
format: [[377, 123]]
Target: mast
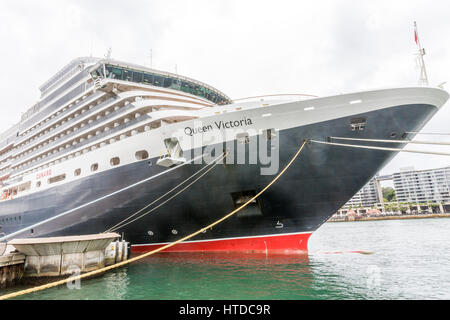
[[423, 78]]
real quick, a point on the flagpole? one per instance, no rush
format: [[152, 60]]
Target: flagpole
[[423, 80]]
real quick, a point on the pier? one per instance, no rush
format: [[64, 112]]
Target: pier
[[11, 269], [46, 259]]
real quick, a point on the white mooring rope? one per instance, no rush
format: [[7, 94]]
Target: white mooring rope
[[119, 264], [429, 133], [124, 222], [380, 148], [393, 141]]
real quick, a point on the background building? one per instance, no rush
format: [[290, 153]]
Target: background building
[[422, 185], [368, 196], [411, 186]]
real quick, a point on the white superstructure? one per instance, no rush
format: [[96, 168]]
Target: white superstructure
[[96, 114], [89, 104]]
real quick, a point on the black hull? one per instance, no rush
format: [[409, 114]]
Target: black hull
[[317, 184]]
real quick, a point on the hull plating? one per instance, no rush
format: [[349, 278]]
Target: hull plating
[[318, 183]]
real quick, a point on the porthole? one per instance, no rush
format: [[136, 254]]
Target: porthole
[[77, 172], [115, 161], [94, 167], [174, 231], [38, 184], [150, 233], [141, 155]]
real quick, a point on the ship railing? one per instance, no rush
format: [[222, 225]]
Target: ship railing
[[281, 96]]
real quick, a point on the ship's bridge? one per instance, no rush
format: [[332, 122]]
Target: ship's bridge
[[110, 69]]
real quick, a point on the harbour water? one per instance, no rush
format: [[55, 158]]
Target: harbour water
[[396, 259]]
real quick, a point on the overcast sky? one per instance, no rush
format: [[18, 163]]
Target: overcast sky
[[243, 48]]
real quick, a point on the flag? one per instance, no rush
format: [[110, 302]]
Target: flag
[[416, 37]]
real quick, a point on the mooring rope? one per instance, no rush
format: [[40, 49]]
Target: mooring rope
[[96, 200], [124, 222], [393, 141], [429, 133], [117, 265], [380, 148]]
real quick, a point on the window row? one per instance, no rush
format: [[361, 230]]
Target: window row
[[54, 106], [115, 161], [122, 136], [57, 124], [86, 136], [10, 220], [119, 73]]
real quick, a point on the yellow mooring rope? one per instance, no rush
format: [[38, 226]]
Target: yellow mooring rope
[[117, 265]]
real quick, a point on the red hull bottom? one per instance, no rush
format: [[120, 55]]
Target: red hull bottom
[[278, 244]]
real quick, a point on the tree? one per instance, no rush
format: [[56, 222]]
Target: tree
[[388, 194]]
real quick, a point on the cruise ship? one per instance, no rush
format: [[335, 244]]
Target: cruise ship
[[156, 156]]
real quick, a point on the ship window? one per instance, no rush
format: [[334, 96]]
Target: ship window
[[117, 73], [158, 81], [61, 177], [186, 87], [176, 84], [137, 76], [216, 98], [77, 172], [25, 186], [167, 82], [196, 90], [94, 167], [127, 75], [115, 161], [190, 88], [141, 155], [148, 78], [38, 184]]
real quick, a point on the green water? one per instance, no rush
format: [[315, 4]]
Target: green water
[[409, 259]]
